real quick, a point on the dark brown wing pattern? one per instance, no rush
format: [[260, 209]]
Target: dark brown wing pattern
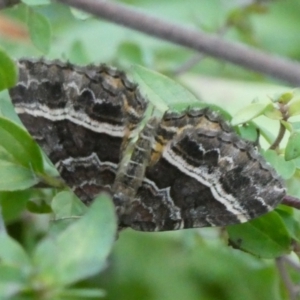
[[81, 117], [187, 170]]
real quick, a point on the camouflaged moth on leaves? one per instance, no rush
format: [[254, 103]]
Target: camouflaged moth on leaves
[[185, 170]]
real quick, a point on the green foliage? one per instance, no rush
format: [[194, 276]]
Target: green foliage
[[66, 257], [249, 236], [161, 90], [8, 73], [20, 145], [40, 30], [60, 260]]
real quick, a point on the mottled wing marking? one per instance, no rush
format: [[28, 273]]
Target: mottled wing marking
[[81, 117], [186, 170], [202, 175]]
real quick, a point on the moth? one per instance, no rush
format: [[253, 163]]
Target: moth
[[188, 169]]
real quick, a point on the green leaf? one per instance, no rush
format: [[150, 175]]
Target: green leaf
[[78, 53], [285, 168], [12, 282], [266, 236], [79, 14], [294, 107], [162, 91], [250, 112], [14, 177], [288, 126], [284, 98], [66, 204], [38, 206], [292, 149], [81, 250], [36, 2], [11, 253], [294, 125], [13, 203], [67, 208], [39, 30], [273, 113], [291, 224], [82, 293], [129, 52], [8, 71], [248, 131], [20, 145], [7, 109]]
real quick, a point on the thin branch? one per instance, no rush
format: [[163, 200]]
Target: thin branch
[[291, 201], [292, 289], [212, 45], [279, 137], [292, 263]]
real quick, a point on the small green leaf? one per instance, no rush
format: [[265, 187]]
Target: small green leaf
[[285, 168], [11, 253], [291, 224], [284, 98], [129, 52], [66, 204], [266, 236], [288, 126], [82, 293], [13, 203], [78, 53], [295, 125], [273, 113], [81, 250], [39, 30], [8, 71], [36, 2], [39, 206], [248, 132], [79, 14], [162, 91], [294, 108], [297, 162], [292, 149], [14, 177], [17, 142], [7, 109], [250, 112], [12, 282]]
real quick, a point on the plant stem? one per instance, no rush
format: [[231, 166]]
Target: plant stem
[[279, 138], [293, 290], [291, 201], [211, 45]]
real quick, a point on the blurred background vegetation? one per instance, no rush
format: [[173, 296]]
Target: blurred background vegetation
[[189, 264]]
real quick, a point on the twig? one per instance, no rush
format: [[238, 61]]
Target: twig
[[279, 137], [285, 116], [291, 201], [292, 289], [290, 262], [212, 45]]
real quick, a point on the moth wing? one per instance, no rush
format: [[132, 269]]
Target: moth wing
[[205, 175], [81, 117]]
